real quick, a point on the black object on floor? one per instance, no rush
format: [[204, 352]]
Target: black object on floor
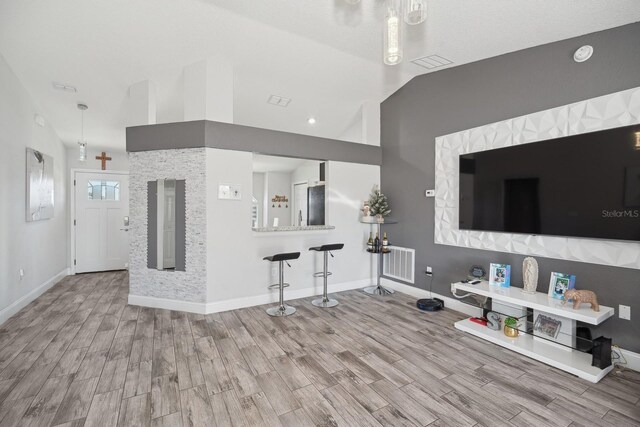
[[430, 304], [601, 353]]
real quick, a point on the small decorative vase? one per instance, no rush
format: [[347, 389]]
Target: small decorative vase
[[511, 327], [379, 218], [511, 332], [530, 275]]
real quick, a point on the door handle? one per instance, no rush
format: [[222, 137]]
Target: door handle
[[124, 229]]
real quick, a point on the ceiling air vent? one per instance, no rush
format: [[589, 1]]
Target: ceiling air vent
[[63, 87], [432, 61], [280, 101]]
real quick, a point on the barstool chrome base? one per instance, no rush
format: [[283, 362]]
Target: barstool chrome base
[[322, 302], [378, 290], [281, 310]]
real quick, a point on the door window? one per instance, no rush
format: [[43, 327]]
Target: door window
[[103, 190]]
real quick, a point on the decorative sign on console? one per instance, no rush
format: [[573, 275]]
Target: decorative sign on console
[[605, 112]]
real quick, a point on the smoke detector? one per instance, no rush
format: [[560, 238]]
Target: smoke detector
[[583, 53]]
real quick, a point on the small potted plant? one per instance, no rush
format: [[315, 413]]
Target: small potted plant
[[378, 204], [511, 327]]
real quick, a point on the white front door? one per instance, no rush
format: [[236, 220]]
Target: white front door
[[101, 221]]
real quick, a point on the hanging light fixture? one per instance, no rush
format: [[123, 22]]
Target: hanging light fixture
[[83, 145], [392, 36], [415, 11]]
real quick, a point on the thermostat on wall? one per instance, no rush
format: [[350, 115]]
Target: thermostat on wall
[[229, 191]]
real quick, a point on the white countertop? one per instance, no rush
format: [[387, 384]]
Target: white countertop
[[293, 228]]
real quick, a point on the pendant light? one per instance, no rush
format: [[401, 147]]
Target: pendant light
[[83, 145], [392, 36], [415, 11]]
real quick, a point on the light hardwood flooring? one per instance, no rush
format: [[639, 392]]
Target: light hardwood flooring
[[79, 355]]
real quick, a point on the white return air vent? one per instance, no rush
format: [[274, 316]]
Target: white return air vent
[[400, 264], [280, 101], [432, 61]]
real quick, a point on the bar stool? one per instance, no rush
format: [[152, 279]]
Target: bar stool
[[325, 301], [281, 309]]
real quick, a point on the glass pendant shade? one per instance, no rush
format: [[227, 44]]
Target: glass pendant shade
[[83, 151], [415, 11], [392, 38], [82, 155]]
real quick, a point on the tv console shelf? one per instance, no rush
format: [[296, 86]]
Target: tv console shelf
[[562, 357]]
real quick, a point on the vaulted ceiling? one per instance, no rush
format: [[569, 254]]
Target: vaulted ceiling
[[326, 55]]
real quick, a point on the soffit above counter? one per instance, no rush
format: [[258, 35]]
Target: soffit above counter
[[227, 136]]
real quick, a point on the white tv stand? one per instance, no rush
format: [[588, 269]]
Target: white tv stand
[[561, 357]]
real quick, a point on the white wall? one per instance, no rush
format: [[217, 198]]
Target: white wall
[[37, 247], [278, 183], [119, 162], [235, 266], [258, 193]]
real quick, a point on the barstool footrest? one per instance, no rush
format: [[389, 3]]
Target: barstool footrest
[[321, 274], [277, 286]]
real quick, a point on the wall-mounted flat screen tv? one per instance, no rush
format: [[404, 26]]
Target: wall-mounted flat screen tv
[[585, 185]]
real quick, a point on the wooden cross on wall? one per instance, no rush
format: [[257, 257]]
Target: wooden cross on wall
[[104, 159]]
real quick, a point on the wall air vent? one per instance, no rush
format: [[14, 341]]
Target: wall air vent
[[280, 101], [432, 61], [400, 264]]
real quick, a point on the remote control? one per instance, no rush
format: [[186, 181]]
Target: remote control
[[475, 282]]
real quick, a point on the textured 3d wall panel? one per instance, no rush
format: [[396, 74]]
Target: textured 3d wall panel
[[190, 165], [605, 112]]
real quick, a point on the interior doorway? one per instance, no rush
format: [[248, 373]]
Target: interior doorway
[[100, 223], [300, 207]]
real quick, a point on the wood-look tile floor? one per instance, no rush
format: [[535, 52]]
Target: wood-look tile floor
[[79, 355]]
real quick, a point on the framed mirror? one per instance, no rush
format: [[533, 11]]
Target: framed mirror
[[166, 224]]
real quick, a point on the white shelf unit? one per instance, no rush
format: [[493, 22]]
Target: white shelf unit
[[564, 358]]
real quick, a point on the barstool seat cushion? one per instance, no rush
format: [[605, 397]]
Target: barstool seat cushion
[[282, 257], [330, 247]]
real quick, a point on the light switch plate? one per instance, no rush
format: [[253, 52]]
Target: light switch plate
[[624, 312], [230, 191], [430, 193]]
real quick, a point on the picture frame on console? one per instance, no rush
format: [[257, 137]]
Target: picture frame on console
[[547, 326], [500, 275], [561, 283]]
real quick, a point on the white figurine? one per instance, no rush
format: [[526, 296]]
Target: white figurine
[[530, 275]]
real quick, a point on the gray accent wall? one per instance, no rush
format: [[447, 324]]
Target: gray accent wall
[[226, 136], [484, 92]]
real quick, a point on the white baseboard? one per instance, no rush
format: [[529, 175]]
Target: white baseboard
[[23, 301], [450, 303], [235, 303], [633, 359]]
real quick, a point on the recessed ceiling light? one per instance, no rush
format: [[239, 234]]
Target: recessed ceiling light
[[311, 120], [583, 53], [64, 87]]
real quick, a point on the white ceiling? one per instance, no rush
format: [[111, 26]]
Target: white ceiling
[[324, 54]]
